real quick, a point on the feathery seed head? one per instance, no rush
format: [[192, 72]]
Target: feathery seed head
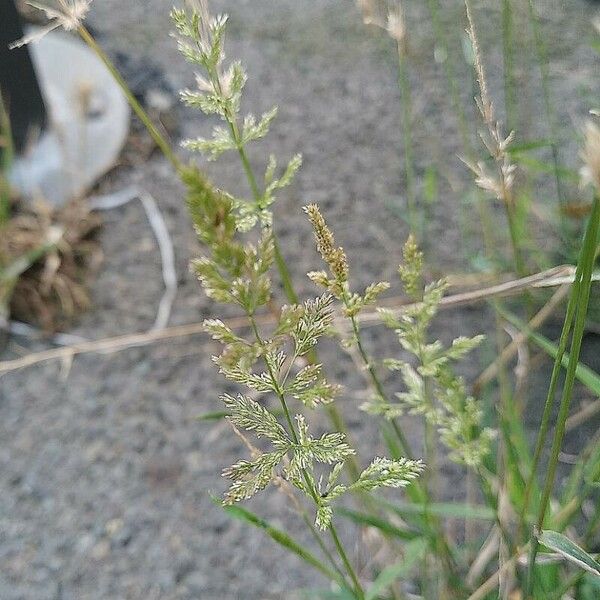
[[410, 271], [334, 257], [395, 23], [385, 14], [372, 12], [68, 14], [494, 140]]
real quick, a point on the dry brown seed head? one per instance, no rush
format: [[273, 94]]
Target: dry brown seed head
[[591, 155]]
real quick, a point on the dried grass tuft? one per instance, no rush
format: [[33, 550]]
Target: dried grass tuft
[[53, 290]]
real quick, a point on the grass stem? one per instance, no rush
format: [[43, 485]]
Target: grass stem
[[543, 63], [581, 295], [137, 108], [415, 224], [292, 430]]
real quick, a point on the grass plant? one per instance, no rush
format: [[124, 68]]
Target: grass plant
[[525, 536]]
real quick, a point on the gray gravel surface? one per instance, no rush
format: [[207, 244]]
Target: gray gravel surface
[[105, 473]]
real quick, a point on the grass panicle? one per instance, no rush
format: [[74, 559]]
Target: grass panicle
[[523, 536]]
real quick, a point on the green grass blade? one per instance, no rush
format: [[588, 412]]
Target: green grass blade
[[539, 166], [431, 186], [581, 295], [570, 550], [527, 146], [583, 373], [448, 510], [413, 552], [283, 539], [383, 525]]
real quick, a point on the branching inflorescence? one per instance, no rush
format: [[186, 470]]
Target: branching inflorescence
[[285, 386], [219, 88], [236, 270], [433, 390]]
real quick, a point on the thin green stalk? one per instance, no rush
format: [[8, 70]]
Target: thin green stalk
[[515, 238], [246, 164], [284, 273], [582, 293], [554, 378], [452, 82], [404, 446], [407, 137], [340, 548], [292, 429], [158, 138], [286, 541], [285, 276], [510, 98], [542, 60], [429, 566], [434, 529], [324, 548]]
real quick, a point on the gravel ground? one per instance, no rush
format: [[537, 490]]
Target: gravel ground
[[105, 472]]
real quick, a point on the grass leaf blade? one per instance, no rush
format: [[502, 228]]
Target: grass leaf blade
[[413, 552], [282, 538], [569, 550]]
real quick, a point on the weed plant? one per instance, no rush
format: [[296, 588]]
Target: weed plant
[[239, 236], [525, 536]]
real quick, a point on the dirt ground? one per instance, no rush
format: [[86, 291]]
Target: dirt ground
[[105, 471]]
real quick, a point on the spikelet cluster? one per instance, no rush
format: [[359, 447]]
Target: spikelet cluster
[[237, 271], [64, 14], [234, 271], [432, 389], [499, 184], [334, 257], [219, 88], [268, 367], [336, 282], [411, 269], [385, 14]]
